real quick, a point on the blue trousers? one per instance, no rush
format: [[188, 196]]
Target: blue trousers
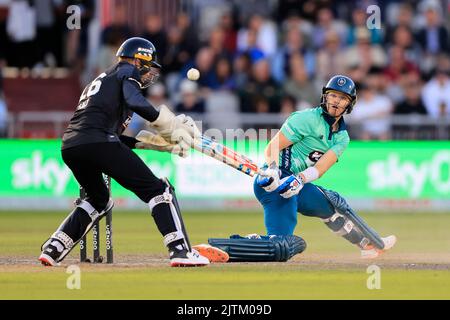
[[280, 214]]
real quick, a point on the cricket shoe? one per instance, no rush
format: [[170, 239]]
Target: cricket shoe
[[212, 253], [185, 258], [370, 252], [50, 254]]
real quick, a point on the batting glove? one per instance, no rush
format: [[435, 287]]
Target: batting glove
[[290, 186], [269, 178]]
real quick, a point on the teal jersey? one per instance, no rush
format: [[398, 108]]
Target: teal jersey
[[311, 134]]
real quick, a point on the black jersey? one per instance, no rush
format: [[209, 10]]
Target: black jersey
[[106, 106]]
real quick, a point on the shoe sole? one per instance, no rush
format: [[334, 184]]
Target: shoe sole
[[46, 261], [178, 263], [213, 254], [375, 253]]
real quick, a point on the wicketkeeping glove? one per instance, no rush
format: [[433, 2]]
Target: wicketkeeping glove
[[269, 178], [151, 141], [290, 186], [175, 129]]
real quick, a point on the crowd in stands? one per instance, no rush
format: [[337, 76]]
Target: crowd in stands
[[273, 56]]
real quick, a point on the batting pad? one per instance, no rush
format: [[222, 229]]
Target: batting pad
[[275, 248]]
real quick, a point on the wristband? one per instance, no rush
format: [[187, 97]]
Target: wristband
[[310, 174]]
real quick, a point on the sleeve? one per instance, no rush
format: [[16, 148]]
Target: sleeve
[[296, 127], [136, 101], [128, 75], [130, 142], [341, 144]]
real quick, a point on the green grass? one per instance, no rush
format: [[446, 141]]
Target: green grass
[[420, 235]]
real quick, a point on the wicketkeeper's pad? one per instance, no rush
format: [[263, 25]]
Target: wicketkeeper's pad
[[273, 248]]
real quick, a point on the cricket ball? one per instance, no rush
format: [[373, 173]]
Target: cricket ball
[[193, 74]]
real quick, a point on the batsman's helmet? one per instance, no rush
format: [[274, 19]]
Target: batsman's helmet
[[144, 51], [342, 84]]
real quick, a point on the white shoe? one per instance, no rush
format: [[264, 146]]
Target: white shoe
[[186, 258], [371, 252], [50, 255]]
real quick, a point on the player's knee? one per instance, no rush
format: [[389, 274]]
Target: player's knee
[[163, 193], [157, 188]]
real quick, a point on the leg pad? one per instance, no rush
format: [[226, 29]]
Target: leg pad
[[274, 248]]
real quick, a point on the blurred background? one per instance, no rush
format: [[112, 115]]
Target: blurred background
[[259, 61]]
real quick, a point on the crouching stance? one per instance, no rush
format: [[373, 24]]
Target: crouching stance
[[93, 145], [307, 145]]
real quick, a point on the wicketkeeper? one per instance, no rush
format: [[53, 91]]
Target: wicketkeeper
[[93, 145]]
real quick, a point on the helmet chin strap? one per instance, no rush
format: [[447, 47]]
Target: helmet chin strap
[[336, 116]]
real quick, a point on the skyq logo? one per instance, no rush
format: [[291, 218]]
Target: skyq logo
[[408, 176]]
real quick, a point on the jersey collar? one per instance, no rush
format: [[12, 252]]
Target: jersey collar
[[330, 120]]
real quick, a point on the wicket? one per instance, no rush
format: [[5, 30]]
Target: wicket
[[97, 258]]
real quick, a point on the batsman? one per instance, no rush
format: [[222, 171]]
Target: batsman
[[309, 143], [93, 145]]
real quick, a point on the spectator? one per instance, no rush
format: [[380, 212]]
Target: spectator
[[119, 25], [288, 105], [190, 99], [228, 25], [176, 55], [247, 8], [260, 85], [46, 30], [154, 32], [204, 62], [189, 34], [433, 38], [107, 53], [436, 93], [403, 18], [206, 14], [372, 111], [223, 79], [299, 85], [266, 37], [362, 54], [77, 40], [398, 64], [251, 49], [293, 45], [329, 58], [241, 69], [404, 38], [359, 19], [295, 21], [412, 103], [327, 23], [4, 10], [217, 42], [21, 30]]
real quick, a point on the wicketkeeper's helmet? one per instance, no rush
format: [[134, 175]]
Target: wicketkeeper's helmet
[[142, 49], [342, 84]]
